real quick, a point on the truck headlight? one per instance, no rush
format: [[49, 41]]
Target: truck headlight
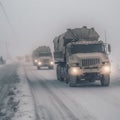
[[75, 71], [39, 63], [36, 60], [106, 69], [51, 62]]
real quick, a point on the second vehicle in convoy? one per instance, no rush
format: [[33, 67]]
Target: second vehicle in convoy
[[42, 57], [81, 57]]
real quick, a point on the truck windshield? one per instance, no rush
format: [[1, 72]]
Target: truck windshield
[[45, 54], [87, 48]]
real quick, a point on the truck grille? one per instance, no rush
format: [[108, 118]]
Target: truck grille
[[90, 61], [46, 61]]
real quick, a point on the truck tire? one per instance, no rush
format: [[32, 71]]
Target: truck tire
[[59, 73], [66, 79], [72, 81], [105, 80]]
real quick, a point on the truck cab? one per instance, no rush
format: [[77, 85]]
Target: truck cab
[[89, 61], [81, 57], [42, 57], [45, 60]]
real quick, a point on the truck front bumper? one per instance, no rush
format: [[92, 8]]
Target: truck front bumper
[[77, 71]]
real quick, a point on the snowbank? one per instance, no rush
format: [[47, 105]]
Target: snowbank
[[26, 109]]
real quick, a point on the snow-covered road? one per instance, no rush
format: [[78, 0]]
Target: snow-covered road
[[41, 97], [55, 100]]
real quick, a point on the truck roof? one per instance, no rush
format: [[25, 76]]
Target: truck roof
[[78, 34], [41, 49], [87, 42]]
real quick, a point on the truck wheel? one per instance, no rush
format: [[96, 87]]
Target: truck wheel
[[72, 81], [38, 67], [59, 73], [66, 79], [105, 80]]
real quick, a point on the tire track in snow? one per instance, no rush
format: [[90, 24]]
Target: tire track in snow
[[41, 112], [64, 111], [83, 113], [31, 89]]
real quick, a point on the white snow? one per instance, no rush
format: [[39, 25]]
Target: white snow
[[86, 102], [55, 100], [26, 109], [115, 69]]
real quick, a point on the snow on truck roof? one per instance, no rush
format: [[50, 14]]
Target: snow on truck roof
[[78, 34], [43, 49], [86, 42]]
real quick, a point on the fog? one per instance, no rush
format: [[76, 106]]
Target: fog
[[31, 23]]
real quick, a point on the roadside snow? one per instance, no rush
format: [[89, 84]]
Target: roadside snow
[[26, 109]]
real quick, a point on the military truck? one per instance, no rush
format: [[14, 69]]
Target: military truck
[[81, 57], [42, 57]]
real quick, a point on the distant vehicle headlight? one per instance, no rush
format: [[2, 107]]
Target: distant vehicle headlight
[[51, 62], [36, 61], [106, 69], [39, 63], [75, 71]]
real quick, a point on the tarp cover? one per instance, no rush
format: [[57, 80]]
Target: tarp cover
[[77, 34], [81, 33]]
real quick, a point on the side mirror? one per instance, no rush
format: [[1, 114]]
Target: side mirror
[[109, 48]]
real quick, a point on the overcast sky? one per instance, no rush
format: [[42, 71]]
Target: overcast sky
[[37, 22]]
